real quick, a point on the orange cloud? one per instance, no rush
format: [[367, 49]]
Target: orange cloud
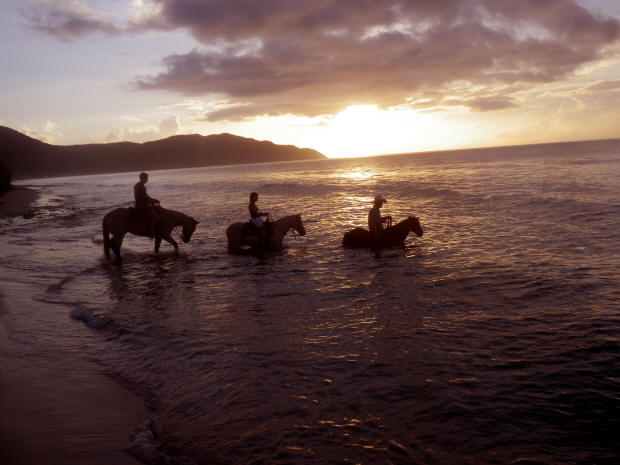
[[314, 58]]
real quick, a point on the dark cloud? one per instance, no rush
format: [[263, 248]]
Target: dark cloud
[[66, 22], [316, 57], [490, 103]]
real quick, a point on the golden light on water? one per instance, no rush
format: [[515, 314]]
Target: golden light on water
[[357, 174]]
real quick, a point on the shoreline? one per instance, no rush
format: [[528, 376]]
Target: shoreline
[[56, 406], [17, 202]]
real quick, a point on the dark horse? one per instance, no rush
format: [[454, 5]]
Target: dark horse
[[238, 236], [394, 235], [120, 221]]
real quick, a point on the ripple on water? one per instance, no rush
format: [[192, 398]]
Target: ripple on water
[[493, 338]]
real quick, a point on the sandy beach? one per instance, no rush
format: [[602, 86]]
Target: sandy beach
[[55, 407], [17, 202]]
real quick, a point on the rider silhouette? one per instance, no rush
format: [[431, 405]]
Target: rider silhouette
[[145, 204], [375, 220], [255, 218]]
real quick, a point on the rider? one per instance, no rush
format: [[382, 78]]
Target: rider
[[256, 219], [375, 220], [145, 204]]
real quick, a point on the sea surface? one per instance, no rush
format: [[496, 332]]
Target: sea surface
[[492, 339]]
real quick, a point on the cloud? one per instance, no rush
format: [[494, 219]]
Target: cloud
[[167, 127], [68, 19], [314, 58], [613, 85], [49, 132], [600, 96]]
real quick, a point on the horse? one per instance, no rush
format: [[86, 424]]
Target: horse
[[120, 221], [275, 234], [394, 235]]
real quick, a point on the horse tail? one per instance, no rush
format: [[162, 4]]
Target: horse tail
[[106, 238]]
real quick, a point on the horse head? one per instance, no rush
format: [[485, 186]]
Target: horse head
[[414, 225], [189, 226], [299, 226]]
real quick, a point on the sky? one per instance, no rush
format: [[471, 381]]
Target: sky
[[345, 77]]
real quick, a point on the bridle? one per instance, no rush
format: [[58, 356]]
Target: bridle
[[287, 233], [297, 219]]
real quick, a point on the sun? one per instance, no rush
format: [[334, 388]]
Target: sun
[[364, 130]]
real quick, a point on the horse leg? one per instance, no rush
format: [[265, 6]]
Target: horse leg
[[275, 241], [234, 242], [233, 245], [169, 239], [157, 243], [115, 244]]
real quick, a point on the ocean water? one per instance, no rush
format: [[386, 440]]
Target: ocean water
[[492, 339]]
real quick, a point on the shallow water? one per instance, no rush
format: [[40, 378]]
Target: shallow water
[[493, 338]]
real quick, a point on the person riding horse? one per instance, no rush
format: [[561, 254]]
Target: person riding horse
[[375, 220], [376, 236], [145, 205]]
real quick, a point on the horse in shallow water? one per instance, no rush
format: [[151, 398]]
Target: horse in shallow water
[[120, 221], [238, 236], [394, 235]]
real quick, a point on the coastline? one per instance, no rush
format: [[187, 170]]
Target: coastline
[[58, 408], [17, 201]]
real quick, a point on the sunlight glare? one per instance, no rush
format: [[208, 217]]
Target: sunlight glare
[[365, 130]]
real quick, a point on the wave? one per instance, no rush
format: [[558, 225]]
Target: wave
[[89, 318], [146, 444]]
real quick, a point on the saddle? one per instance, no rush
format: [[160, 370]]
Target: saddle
[[250, 230], [138, 215]]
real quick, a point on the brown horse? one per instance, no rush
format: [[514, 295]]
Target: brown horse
[[394, 235], [119, 222], [277, 229]]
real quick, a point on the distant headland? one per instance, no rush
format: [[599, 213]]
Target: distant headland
[[26, 157]]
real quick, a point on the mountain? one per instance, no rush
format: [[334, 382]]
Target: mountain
[[26, 157]]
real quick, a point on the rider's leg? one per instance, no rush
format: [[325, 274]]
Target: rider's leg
[[153, 222]]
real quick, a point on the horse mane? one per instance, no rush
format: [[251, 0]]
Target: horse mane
[[401, 224], [404, 226], [175, 215]]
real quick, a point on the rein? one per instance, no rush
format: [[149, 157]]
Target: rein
[[286, 233]]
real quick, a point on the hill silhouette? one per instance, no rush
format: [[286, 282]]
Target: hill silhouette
[[26, 157]]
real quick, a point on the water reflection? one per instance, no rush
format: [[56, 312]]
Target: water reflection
[[325, 355], [355, 174]]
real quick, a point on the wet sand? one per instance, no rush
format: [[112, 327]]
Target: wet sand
[[17, 202], [56, 408]]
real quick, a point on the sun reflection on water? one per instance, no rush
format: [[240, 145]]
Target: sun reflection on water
[[359, 174]]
